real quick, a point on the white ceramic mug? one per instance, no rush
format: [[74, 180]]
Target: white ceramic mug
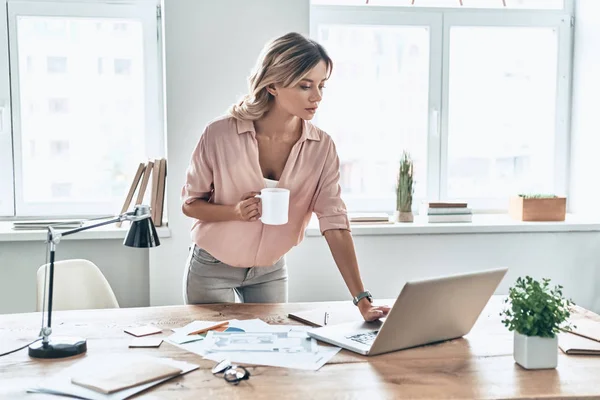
[[275, 205]]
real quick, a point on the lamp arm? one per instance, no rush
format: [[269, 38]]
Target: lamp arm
[[85, 228], [54, 236]]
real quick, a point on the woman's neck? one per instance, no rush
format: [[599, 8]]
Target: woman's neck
[[276, 123]]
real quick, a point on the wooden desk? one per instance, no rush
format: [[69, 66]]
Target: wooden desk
[[480, 365]]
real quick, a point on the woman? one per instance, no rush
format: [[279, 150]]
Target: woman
[[267, 141]]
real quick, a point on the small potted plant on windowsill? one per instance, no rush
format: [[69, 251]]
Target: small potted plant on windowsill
[[537, 313], [405, 189], [538, 207]]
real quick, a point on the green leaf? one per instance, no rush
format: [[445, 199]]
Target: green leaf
[[535, 308]]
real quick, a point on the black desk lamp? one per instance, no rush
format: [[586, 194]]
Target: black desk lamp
[[142, 233]]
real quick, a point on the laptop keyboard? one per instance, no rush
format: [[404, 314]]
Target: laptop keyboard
[[365, 338]]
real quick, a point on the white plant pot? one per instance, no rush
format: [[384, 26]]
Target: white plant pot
[[534, 352]]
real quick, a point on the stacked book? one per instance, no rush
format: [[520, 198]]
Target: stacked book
[[43, 224], [157, 170], [447, 212], [369, 218]]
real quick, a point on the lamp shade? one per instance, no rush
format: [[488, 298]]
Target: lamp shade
[[142, 234]]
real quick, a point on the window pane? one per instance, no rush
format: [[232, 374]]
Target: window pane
[[502, 104], [81, 83], [56, 65], [375, 106]]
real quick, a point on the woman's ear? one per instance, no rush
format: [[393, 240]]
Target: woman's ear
[[272, 90]]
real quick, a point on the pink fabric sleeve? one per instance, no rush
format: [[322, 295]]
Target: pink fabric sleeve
[[199, 175], [329, 206]]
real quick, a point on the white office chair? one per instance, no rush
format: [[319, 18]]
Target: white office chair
[[78, 285]]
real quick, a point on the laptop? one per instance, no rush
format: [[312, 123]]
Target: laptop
[[426, 311]]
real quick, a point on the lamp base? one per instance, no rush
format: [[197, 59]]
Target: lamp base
[[58, 347]]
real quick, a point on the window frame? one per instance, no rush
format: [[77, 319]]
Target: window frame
[[7, 196], [567, 5], [143, 10], [437, 172]]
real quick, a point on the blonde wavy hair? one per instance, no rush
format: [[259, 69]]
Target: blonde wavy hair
[[284, 61]]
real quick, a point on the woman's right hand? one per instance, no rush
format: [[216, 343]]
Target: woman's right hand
[[248, 207]]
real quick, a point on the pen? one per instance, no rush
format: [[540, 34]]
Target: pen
[[209, 328], [326, 318]]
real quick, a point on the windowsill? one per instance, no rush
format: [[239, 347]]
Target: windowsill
[[482, 223], [7, 234]]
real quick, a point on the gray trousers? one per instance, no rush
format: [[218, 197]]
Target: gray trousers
[[208, 280]]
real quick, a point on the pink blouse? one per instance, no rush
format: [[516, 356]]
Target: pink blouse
[[224, 166]]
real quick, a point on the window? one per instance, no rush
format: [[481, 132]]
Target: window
[[122, 66], [502, 111], [59, 148], [120, 27], [101, 65], [478, 98], [61, 190], [58, 106], [71, 108], [373, 65], [56, 65], [30, 64]]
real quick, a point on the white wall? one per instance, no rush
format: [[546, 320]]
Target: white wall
[[126, 270], [210, 47], [571, 259]]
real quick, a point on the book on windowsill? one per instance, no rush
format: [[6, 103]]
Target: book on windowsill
[[437, 204], [152, 174], [34, 225], [369, 218], [450, 218], [446, 212], [449, 211]]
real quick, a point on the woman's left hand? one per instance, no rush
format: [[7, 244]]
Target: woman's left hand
[[371, 312]]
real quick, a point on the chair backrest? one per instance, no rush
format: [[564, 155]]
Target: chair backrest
[[78, 285]]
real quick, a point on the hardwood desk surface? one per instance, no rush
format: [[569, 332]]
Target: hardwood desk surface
[[480, 365]]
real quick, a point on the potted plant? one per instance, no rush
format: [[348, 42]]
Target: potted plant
[[536, 314], [538, 207], [405, 189]]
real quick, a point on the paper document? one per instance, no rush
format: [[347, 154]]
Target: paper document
[[305, 361], [259, 341], [299, 360], [182, 336], [61, 384]]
